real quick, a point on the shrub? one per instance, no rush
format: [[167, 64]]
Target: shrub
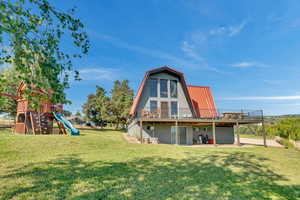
[[286, 143]]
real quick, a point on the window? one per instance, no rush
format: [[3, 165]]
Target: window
[[21, 118], [153, 87], [153, 106], [173, 88], [163, 88], [174, 108]]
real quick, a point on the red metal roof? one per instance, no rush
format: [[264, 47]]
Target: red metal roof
[[203, 101]]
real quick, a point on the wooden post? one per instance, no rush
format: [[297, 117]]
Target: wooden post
[[25, 122], [264, 130], [214, 132], [32, 123], [237, 133], [141, 131], [176, 131], [40, 123]]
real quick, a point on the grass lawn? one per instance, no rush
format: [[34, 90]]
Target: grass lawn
[[102, 165]]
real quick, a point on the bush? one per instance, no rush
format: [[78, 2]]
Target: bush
[[289, 128], [286, 143]]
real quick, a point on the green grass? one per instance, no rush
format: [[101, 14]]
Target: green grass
[[102, 165]]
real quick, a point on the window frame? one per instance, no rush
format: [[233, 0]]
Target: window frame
[[156, 107], [172, 110], [160, 88], [176, 88], [156, 87]]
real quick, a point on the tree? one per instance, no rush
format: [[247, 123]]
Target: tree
[[100, 108], [121, 101], [96, 109], [78, 118], [89, 109], [9, 85], [102, 105], [31, 32], [78, 114], [67, 113], [288, 128]]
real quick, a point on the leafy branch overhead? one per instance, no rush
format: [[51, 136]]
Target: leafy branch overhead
[[31, 35]]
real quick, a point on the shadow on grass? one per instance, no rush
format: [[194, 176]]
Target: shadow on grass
[[219, 176]]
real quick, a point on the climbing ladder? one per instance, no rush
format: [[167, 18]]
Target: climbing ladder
[[62, 129], [41, 123]]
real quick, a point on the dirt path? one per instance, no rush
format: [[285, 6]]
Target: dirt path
[[255, 141], [131, 139]]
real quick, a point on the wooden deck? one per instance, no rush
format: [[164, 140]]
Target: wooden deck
[[200, 121]]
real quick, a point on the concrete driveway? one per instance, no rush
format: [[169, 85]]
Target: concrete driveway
[[257, 141]]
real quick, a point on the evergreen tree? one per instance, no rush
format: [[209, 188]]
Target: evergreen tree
[[100, 108], [102, 105], [89, 109], [121, 101]]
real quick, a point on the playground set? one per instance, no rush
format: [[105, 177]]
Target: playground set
[[40, 120]]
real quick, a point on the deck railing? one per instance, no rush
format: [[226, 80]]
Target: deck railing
[[218, 114]]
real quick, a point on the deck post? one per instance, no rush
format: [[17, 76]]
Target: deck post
[[176, 132], [214, 132], [264, 130], [141, 131], [237, 133]]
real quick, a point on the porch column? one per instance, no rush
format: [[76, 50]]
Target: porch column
[[141, 131], [214, 132], [237, 133], [176, 131]]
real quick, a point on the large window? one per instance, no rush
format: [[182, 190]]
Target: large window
[[163, 88], [174, 108], [153, 106], [173, 88], [153, 87]]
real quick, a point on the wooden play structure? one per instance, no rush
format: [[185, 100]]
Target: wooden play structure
[[36, 121]]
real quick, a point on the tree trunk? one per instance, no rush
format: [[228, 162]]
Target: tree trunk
[[117, 125]]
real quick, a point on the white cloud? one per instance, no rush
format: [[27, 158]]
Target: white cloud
[[173, 60], [234, 30], [246, 64], [231, 30], [296, 97], [98, 74], [218, 31], [202, 41], [243, 64], [191, 51]]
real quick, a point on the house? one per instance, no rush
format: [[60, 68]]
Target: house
[[167, 110]]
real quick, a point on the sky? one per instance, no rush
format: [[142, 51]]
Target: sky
[[248, 52]]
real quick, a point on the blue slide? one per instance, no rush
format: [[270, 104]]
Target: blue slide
[[66, 123]]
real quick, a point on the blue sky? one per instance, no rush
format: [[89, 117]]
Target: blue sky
[[248, 52]]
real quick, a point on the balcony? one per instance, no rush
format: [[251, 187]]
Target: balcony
[[202, 114]]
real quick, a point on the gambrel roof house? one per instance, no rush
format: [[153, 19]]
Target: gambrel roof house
[[167, 110]]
